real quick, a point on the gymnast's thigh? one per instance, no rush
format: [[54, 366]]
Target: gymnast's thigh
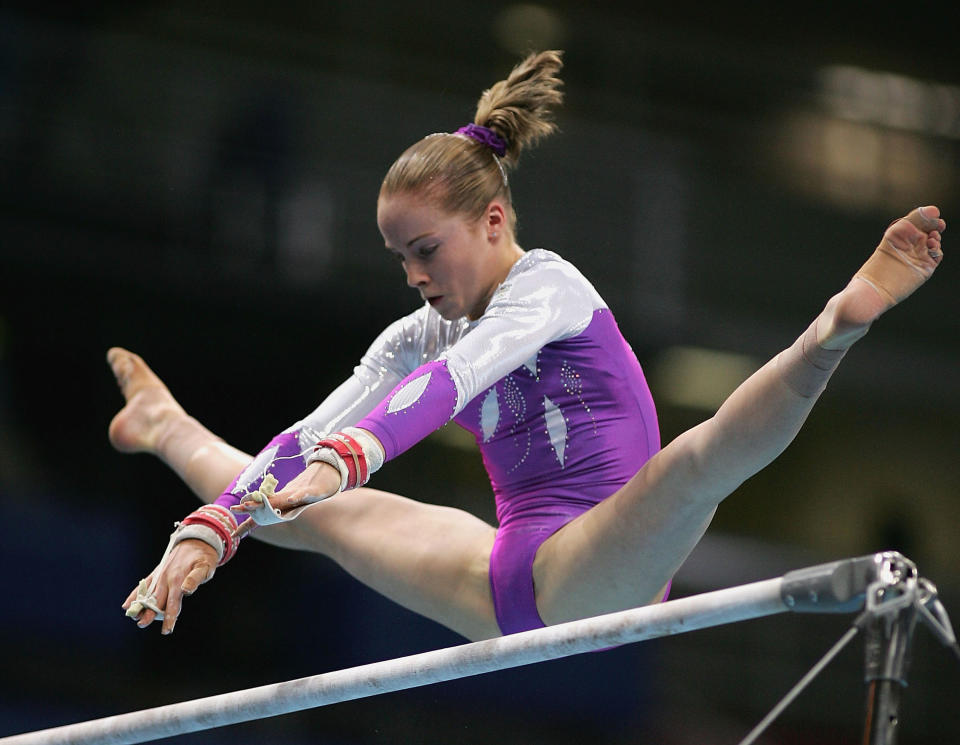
[[619, 554], [429, 558]]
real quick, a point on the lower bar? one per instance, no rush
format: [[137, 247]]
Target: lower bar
[[638, 624]]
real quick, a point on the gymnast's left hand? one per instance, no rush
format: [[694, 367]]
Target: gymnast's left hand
[[316, 483]]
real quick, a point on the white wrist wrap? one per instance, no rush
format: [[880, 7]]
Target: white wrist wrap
[[330, 457], [371, 448], [201, 533]]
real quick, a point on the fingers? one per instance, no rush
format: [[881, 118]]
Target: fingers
[[171, 609], [198, 575], [130, 598], [191, 564], [146, 616], [202, 571], [284, 500], [170, 600], [318, 482], [245, 527]]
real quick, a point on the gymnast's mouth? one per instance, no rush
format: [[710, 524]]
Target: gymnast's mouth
[[434, 300]]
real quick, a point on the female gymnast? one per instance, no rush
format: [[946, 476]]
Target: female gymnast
[[517, 347]]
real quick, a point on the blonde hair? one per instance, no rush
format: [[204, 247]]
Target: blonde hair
[[464, 175]]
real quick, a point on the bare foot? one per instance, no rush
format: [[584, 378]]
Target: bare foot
[[150, 409], [907, 256]]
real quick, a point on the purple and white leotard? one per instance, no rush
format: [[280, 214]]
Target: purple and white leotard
[[545, 382]]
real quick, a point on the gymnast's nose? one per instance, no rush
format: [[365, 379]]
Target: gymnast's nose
[[416, 276]]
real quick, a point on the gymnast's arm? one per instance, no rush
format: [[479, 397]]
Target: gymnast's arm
[[211, 538], [510, 330], [546, 301], [508, 334]]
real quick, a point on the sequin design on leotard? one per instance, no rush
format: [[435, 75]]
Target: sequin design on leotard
[[573, 385]]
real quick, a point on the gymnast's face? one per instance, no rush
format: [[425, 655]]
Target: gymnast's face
[[454, 262]]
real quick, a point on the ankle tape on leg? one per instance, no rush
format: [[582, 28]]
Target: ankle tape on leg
[[806, 366]]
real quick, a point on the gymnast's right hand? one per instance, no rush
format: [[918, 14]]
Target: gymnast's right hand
[[189, 565]]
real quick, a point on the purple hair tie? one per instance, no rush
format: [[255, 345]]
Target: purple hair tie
[[485, 136]]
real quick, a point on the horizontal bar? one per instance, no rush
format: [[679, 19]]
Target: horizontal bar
[[590, 634], [836, 587]]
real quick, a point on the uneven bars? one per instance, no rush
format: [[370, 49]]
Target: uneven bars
[[649, 622]]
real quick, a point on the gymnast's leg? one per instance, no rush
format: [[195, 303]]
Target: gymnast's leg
[[152, 421], [622, 552], [428, 558]]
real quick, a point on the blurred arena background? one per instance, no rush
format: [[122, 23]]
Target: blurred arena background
[[197, 182]]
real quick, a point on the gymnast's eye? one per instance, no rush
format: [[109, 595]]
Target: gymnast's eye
[[425, 251]]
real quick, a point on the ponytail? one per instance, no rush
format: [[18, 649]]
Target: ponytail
[[466, 170]]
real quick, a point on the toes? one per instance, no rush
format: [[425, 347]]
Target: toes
[[927, 219], [120, 363], [117, 355], [131, 372], [918, 235]]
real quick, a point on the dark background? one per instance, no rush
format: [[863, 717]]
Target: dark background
[[197, 181]]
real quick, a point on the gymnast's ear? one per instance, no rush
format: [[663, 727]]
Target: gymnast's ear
[[494, 219]]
